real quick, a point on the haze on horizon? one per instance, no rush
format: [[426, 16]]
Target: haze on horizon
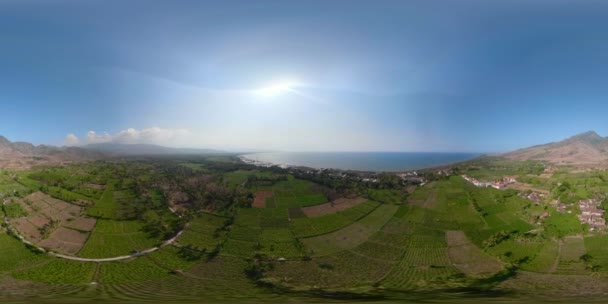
[[478, 76]]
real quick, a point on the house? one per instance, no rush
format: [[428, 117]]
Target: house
[[591, 214]]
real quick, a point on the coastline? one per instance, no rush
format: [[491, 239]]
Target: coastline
[[414, 160]]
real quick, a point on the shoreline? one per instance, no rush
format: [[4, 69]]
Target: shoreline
[[247, 160]]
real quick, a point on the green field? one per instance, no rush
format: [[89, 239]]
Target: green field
[[106, 206], [116, 238]]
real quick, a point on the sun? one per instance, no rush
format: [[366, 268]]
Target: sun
[[276, 89]]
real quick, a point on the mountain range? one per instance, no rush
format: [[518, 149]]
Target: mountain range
[[587, 148], [18, 155], [145, 149]]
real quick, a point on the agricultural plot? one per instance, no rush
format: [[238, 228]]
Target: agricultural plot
[[14, 255], [425, 261], [106, 206], [597, 249], [218, 280], [10, 186], [389, 196], [519, 251], [545, 259], [50, 223], [136, 270], [572, 250], [279, 242], [335, 206], [467, 257], [264, 231], [116, 238], [239, 177], [307, 227], [59, 271], [171, 257], [294, 193], [236, 248], [381, 251], [204, 232], [345, 269], [424, 197], [65, 240], [260, 198], [352, 235]]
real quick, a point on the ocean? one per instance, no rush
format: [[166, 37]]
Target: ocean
[[361, 161]]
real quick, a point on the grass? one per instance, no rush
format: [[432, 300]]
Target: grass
[[14, 210]]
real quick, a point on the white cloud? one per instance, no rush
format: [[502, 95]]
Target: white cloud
[[93, 137], [154, 135], [71, 140]]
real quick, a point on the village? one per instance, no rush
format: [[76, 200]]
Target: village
[[497, 184], [591, 213]]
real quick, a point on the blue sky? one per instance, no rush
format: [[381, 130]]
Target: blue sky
[[480, 76]]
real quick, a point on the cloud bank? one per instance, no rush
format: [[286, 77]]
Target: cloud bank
[[154, 135]]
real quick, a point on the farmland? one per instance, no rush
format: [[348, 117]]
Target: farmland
[[115, 238], [254, 227]]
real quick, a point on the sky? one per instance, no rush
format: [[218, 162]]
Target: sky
[[447, 76]]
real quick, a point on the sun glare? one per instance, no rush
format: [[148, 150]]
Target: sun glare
[[275, 89]]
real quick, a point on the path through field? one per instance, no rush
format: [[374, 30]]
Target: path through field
[[557, 258]]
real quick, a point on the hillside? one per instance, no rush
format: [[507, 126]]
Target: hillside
[[19, 155], [587, 148], [145, 149]]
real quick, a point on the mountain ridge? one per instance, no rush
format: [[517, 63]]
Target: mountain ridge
[[144, 149], [23, 155], [587, 148]]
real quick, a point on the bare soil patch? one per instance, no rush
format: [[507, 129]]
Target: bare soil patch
[[53, 224], [333, 206], [260, 198], [27, 229], [65, 240], [39, 220], [81, 223], [96, 186]]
